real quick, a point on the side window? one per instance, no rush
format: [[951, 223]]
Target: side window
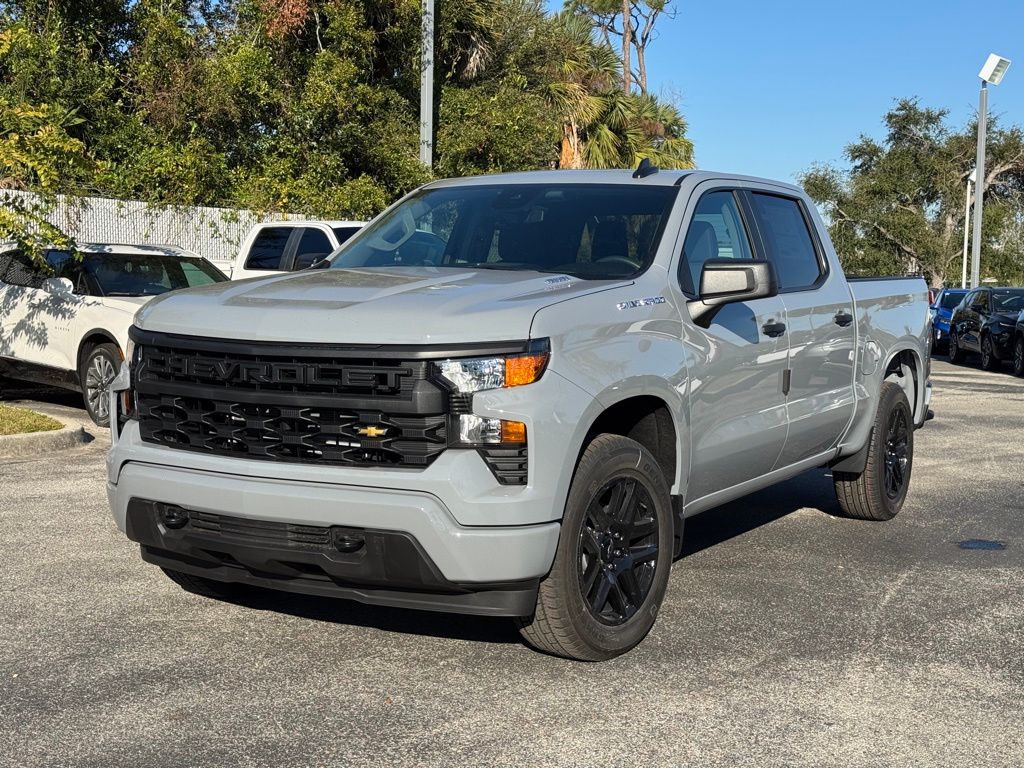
[[64, 264], [313, 246], [716, 232], [980, 301], [268, 248], [21, 270], [787, 240]]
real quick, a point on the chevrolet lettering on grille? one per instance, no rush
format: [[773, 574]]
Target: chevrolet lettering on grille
[[256, 372]]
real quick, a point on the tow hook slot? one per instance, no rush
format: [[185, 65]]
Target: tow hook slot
[[172, 516], [347, 540]]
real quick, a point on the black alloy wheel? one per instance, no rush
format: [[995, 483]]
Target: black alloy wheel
[[618, 549], [897, 438], [989, 361], [954, 352], [1018, 356], [611, 567]]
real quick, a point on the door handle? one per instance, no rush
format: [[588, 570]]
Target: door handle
[[773, 329], [843, 318]]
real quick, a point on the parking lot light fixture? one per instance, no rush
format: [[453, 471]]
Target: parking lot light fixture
[[993, 72]]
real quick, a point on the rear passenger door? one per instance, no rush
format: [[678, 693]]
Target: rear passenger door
[[820, 324], [736, 363]]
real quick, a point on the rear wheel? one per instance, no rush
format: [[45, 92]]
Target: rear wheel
[[199, 585], [955, 352], [989, 361], [99, 367], [1018, 356], [613, 559], [879, 491]]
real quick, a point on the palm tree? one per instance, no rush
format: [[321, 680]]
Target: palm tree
[[603, 126]]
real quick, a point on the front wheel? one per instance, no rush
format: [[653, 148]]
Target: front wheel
[[613, 558], [955, 351], [1018, 356], [989, 361], [879, 491], [99, 368]]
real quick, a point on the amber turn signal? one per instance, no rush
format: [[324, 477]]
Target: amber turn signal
[[524, 369], [513, 432]]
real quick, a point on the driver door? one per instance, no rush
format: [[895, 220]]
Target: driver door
[[737, 364]]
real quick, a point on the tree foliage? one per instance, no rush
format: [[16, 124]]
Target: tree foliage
[[900, 207], [307, 106]]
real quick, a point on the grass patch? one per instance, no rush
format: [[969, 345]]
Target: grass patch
[[17, 421]]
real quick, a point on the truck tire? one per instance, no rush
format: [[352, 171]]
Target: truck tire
[[955, 351], [199, 585], [1018, 356], [99, 367], [878, 492], [613, 559], [989, 361]]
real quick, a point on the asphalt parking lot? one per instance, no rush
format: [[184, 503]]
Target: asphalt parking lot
[[789, 637]]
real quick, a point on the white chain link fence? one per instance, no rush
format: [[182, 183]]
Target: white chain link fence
[[215, 233]]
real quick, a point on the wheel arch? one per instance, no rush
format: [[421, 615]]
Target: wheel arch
[[648, 419], [906, 367], [91, 339]]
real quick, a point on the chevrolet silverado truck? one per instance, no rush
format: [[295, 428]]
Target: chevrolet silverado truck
[[505, 395]]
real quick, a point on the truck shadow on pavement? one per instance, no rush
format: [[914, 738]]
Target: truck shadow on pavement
[[811, 490]]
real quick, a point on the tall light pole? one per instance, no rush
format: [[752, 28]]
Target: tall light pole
[[993, 72], [427, 84], [967, 223]]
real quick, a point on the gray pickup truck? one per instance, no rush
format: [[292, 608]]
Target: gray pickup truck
[[506, 394]]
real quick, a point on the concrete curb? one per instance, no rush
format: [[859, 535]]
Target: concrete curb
[[40, 443]]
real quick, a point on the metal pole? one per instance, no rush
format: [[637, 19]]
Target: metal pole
[[967, 232], [979, 185], [427, 85]]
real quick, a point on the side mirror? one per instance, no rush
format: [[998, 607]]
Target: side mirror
[[58, 285], [728, 281]]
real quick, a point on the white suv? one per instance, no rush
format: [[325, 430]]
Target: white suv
[[67, 323]]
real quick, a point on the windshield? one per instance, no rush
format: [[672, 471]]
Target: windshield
[[1008, 300], [949, 300], [148, 274], [591, 231]]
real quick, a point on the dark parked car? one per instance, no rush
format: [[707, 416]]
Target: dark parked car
[[942, 310], [985, 322], [1018, 346]]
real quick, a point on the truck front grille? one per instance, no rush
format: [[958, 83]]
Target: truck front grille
[[292, 404]]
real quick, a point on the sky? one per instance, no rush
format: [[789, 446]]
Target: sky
[[770, 87]]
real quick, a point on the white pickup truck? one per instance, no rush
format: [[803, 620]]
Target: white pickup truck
[[505, 395], [287, 246]]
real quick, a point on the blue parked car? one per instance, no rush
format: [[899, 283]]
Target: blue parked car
[[942, 310]]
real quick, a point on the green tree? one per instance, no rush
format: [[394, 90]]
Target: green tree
[[899, 208]]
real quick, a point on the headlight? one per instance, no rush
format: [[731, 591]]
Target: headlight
[[478, 373], [475, 374]]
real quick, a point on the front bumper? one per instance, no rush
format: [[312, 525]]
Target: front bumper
[[414, 553]]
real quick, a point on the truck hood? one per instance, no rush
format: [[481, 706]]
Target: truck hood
[[401, 305]]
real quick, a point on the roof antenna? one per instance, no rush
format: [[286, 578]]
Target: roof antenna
[[645, 169]]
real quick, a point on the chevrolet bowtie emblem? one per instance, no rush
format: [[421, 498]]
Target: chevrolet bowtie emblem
[[372, 431]]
